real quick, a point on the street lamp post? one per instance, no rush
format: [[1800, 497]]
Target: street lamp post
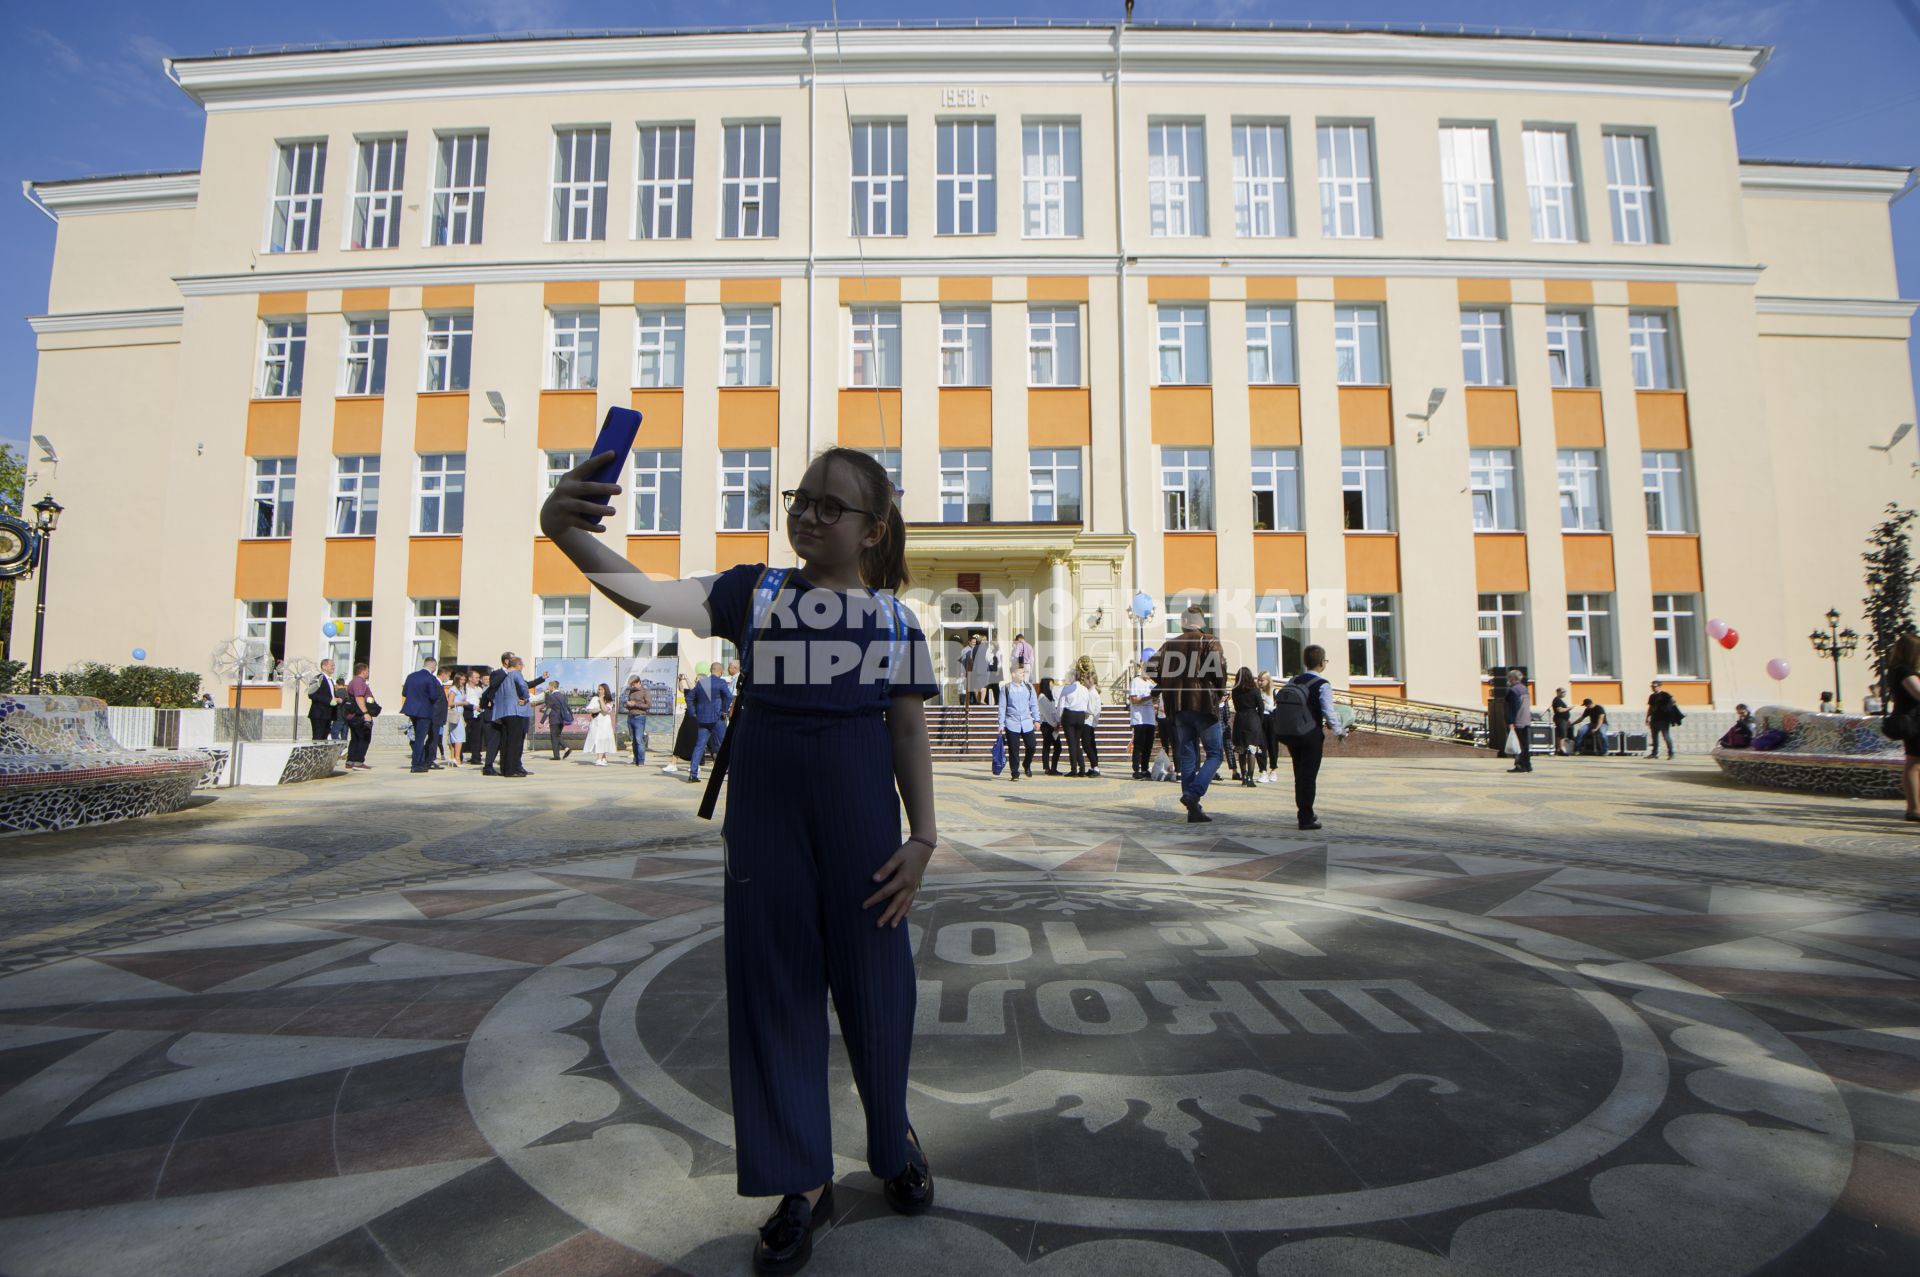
[[1834, 643], [46, 518]]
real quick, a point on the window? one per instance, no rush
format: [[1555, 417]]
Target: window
[[573, 349], [1053, 484], [1370, 637], [1567, 359], [1650, 338], [966, 346], [966, 485], [460, 188], [750, 182], [272, 497], [376, 192], [1346, 181], [647, 641], [1590, 635], [1261, 206], [449, 359], [1279, 634], [352, 641], [1466, 182], [1050, 179], [880, 178], [889, 459], [296, 197], [1270, 346], [1630, 188], [266, 640], [441, 494], [1503, 631], [365, 372], [1176, 178], [663, 195], [555, 463], [660, 341], [1583, 505], [1357, 349], [746, 483], [964, 189], [579, 185], [1186, 489], [1053, 346], [1178, 603], [746, 346], [356, 496], [1494, 481], [1182, 340], [436, 632], [1483, 347], [1553, 200], [1663, 475], [656, 490], [874, 347], [1276, 490], [563, 627], [1676, 636], [1363, 489], [283, 359]]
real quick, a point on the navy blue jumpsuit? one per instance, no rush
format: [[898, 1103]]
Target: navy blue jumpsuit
[[812, 767]]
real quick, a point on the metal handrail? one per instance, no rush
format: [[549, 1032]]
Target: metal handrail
[[1429, 719]]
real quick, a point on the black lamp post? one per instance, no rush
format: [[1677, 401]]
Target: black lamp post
[[1834, 643], [46, 517]]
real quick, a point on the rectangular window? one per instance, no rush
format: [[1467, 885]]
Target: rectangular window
[[1650, 338], [356, 496], [750, 182], [1358, 352], [1279, 634], [1186, 489], [1553, 199], [647, 641], [966, 346], [1676, 636], [272, 497], [1178, 603], [365, 370], [352, 641], [1371, 648], [1176, 178], [1466, 182], [966, 485], [377, 192], [1582, 494], [579, 185], [449, 360], [1631, 197], [1182, 341], [1050, 179], [283, 358], [660, 341], [440, 494], [563, 627], [1494, 481], [880, 177], [436, 633], [873, 346], [266, 640], [1567, 354], [1503, 631], [1364, 490], [1663, 476], [1346, 181], [746, 346], [1276, 490], [1270, 354], [1053, 346], [964, 190], [663, 186], [656, 490], [554, 464], [1483, 347], [1590, 635], [889, 459], [573, 349], [1262, 207], [296, 197], [460, 188], [1053, 484], [746, 486]]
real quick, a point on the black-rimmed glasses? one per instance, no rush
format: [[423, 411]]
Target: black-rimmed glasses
[[826, 509]]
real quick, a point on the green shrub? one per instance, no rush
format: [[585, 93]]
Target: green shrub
[[130, 685]]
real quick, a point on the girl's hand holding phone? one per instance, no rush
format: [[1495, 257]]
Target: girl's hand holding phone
[[900, 882], [577, 503]]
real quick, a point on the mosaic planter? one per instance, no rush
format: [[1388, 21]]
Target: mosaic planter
[[61, 768], [1844, 754]]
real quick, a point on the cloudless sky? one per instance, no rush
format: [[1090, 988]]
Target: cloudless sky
[[85, 93]]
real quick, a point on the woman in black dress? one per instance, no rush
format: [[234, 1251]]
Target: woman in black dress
[[1903, 686], [1249, 723]]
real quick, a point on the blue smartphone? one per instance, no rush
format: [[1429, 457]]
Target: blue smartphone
[[617, 433]]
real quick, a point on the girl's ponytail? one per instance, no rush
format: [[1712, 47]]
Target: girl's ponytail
[[883, 566]]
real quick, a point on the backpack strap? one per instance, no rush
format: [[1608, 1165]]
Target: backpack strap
[[765, 590]]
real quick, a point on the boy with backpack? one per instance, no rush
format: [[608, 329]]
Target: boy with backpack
[[1302, 710]]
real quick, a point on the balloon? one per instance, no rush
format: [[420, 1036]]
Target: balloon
[[1717, 627], [1778, 668], [139, 653], [1146, 653], [1142, 606], [1730, 639], [330, 629]]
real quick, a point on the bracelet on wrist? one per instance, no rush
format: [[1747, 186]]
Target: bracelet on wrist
[[924, 842]]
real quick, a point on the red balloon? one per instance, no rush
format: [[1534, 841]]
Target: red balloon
[[1730, 638]]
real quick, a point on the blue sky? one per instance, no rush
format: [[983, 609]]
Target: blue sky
[[87, 95]]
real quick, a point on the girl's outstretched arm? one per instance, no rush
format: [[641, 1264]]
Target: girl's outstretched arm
[[899, 878], [574, 511]]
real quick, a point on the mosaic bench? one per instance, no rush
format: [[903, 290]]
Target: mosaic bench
[[60, 768], [1826, 753]]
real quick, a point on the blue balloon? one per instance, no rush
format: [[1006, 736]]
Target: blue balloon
[[330, 629], [139, 653], [1142, 605], [1146, 653]]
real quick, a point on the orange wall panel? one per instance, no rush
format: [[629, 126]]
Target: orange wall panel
[[433, 567], [1280, 562], [966, 417], [1178, 288], [446, 297], [283, 304], [260, 569], [569, 418], [657, 556], [1366, 417], [273, 427], [1663, 418], [1493, 417], [749, 418], [1182, 415], [554, 572], [363, 301], [1274, 415], [732, 548], [1059, 418], [1589, 560], [1396, 690], [258, 696], [1348, 289], [661, 414], [356, 425], [1500, 562], [1056, 288], [1646, 292], [440, 422], [869, 418], [966, 288], [1272, 288], [1496, 291], [757, 292], [1192, 561], [348, 573], [855, 291], [1569, 292], [571, 292], [1700, 693], [659, 292], [1373, 563], [1600, 692], [1577, 419], [1675, 564]]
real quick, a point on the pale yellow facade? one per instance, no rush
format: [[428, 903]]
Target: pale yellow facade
[[1776, 283]]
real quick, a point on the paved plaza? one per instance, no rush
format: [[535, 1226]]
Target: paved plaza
[[1615, 1017]]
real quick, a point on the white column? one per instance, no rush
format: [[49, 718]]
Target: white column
[[1059, 638]]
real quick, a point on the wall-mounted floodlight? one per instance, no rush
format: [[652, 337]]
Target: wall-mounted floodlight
[[1900, 432], [497, 402], [46, 449], [1435, 398]]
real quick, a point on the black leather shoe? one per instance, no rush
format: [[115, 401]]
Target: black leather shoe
[[911, 1191], [1309, 824], [786, 1239]]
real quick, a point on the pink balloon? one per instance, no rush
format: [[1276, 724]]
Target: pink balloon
[[1730, 639], [1717, 627], [1778, 668]]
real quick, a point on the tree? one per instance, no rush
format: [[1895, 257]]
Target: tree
[[1891, 576]]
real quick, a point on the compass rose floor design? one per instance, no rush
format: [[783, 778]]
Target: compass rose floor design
[[1171, 1053]]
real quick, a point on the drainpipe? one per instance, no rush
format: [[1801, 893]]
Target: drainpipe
[[1126, 327]]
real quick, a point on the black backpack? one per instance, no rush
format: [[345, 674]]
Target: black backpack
[[1294, 711]]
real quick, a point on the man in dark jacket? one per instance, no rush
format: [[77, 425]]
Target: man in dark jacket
[[559, 714], [418, 694], [1190, 676], [709, 701], [1519, 719], [1662, 713], [494, 679], [320, 699]]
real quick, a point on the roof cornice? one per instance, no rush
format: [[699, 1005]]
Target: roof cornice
[[136, 193], [1830, 181]]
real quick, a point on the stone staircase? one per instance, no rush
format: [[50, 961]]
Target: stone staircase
[[965, 732]]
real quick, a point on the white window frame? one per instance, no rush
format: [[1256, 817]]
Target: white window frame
[[1359, 340], [1380, 666], [350, 644], [578, 195], [379, 192], [739, 467], [1678, 649], [1569, 350], [265, 622], [1177, 604], [1583, 489], [1276, 473], [1262, 194], [1186, 489], [965, 195], [1493, 479], [663, 181], [878, 192], [293, 215], [966, 485], [1050, 164], [1358, 470], [1633, 195], [1346, 158], [431, 483], [273, 494], [873, 346], [966, 346], [555, 463], [1503, 625], [655, 474], [356, 495], [1279, 620], [1483, 346], [747, 356], [1469, 181], [659, 348], [563, 624], [441, 364], [283, 358], [1650, 340], [1176, 179], [1270, 335], [1591, 648], [573, 348], [1053, 345], [749, 183], [1553, 184], [1050, 473], [1668, 487], [889, 459], [459, 188], [428, 622], [363, 361], [1181, 339]]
